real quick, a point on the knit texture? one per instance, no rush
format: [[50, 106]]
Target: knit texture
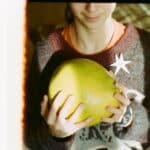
[[135, 47]]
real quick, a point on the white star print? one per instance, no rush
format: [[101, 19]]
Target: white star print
[[120, 64]]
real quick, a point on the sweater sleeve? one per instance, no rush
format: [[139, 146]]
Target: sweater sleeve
[[139, 128], [36, 135]]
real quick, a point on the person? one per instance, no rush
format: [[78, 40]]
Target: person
[[91, 33]]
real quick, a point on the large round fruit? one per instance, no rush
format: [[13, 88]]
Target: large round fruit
[[90, 83]]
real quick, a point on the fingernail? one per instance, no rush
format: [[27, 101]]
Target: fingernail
[[102, 120], [61, 93], [107, 107], [71, 97], [116, 95], [82, 104], [91, 118]]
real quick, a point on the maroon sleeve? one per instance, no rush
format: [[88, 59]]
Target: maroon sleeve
[[36, 135], [44, 53]]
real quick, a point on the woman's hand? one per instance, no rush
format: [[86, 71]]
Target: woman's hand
[[56, 116], [118, 113]]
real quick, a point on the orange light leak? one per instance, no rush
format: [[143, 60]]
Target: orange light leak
[[24, 72]]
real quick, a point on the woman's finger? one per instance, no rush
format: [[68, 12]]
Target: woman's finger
[[66, 107], [114, 110], [109, 120], [114, 118], [44, 105], [58, 101], [83, 123], [122, 99], [121, 87], [76, 114], [117, 114], [112, 74]]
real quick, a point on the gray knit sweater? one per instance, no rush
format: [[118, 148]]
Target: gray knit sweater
[[134, 46]]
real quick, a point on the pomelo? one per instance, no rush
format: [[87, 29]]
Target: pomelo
[[90, 83]]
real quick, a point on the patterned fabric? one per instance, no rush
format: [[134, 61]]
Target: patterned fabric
[[135, 47], [137, 14]]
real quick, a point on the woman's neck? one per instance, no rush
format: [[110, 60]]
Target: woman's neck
[[92, 40]]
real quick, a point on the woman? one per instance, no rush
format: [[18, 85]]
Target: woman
[[91, 33]]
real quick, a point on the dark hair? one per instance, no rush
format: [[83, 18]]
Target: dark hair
[[68, 14]]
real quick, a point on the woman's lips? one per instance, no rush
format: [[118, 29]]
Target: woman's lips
[[92, 18]]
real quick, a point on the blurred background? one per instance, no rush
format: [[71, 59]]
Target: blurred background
[[43, 17]]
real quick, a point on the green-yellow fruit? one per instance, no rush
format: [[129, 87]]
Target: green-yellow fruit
[[90, 83]]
